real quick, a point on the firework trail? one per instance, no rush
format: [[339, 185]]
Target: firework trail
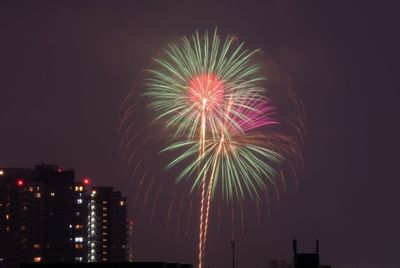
[[207, 93]]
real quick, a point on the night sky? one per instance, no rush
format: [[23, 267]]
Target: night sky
[[66, 66]]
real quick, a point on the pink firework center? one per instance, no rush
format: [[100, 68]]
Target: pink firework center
[[206, 92]]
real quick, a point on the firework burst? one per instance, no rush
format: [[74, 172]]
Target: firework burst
[[208, 93]]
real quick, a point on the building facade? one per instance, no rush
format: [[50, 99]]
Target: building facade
[[107, 226], [42, 216]]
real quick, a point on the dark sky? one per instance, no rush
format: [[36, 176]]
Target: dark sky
[[65, 67]]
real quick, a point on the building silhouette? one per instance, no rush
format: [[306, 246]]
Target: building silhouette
[[307, 260], [44, 217], [108, 265]]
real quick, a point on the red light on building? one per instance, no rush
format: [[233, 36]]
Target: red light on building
[[20, 182], [86, 181]]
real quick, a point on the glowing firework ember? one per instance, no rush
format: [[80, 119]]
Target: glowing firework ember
[[209, 92]]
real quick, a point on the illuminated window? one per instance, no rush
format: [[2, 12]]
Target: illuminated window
[[76, 188], [104, 214], [79, 201], [122, 203], [79, 239], [104, 246], [78, 246], [105, 221], [7, 216], [30, 189], [94, 192], [104, 202], [52, 194], [104, 233], [104, 239], [37, 259], [104, 259], [104, 227], [36, 246], [104, 252], [78, 226], [38, 195], [8, 228], [80, 188], [1, 172], [104, 208]]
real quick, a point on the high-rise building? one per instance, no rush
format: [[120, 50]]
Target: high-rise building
[[47, 216], [108, 226], [43, 216]]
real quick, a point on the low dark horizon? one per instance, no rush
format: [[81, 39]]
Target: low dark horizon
[[66, 67]]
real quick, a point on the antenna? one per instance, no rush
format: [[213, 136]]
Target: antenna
[[233, 253]]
